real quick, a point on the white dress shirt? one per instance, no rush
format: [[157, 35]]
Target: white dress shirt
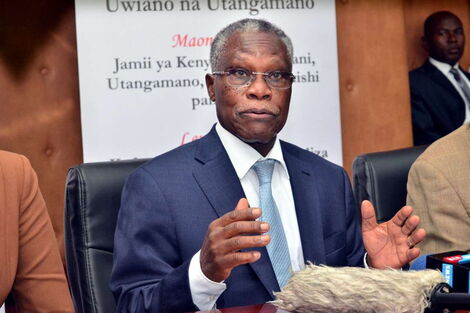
[[445, 69], [205, 292]]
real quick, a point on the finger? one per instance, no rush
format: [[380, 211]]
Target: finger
[[400, 218], [244, 227], [220, 267], [410, 225], [240, 213], [417, 237], [412, 254], [242, 204], [242, 242], [368, 216], [238, 258]]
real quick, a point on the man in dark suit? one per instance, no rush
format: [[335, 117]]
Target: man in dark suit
[[440, 89], [186, 236]]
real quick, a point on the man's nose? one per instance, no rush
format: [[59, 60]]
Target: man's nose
[[452, 37], [259, 88]]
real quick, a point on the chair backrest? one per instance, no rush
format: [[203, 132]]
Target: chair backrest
[[381, 178], [92, 201]]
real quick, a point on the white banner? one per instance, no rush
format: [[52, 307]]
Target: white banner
[[142, 66]]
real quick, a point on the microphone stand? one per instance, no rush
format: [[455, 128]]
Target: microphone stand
[[442, 298]]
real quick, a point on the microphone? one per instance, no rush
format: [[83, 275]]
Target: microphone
[[454, 266], [453, 294], [458, 259], [442, 298], [323, 289]]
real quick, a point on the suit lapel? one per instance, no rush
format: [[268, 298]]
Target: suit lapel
[[440, 79], [307, 198], [218, 180], [216, 176]]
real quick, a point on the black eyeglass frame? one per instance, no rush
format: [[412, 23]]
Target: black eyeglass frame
[[252, 76]]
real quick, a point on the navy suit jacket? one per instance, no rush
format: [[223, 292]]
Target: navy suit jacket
[[168, 203], [436, 106]]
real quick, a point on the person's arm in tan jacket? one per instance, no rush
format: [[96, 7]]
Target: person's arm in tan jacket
[[435, 199], [40, 284]]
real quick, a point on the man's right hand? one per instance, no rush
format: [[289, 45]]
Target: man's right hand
[[226, 236]]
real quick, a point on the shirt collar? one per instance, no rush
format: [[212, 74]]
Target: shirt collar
[[442, 66], [243, 156]]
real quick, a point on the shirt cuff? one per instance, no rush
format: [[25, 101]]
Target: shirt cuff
[[204, 291], [365, 261]]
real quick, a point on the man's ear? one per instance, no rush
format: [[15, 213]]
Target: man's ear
[[425, 44], [210, 86]]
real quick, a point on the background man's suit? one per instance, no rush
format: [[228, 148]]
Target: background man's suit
[[30, 264], [438, 189], [437, 107], [169, 202]]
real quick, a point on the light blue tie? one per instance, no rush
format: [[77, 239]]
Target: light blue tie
[[277, 249]]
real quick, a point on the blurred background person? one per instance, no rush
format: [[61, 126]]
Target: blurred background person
[[440, 88], [31, 268]]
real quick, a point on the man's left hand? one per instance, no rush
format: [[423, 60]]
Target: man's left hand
[[391, 244]]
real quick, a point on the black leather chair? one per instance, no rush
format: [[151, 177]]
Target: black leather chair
[[381, 178], [92, 201]]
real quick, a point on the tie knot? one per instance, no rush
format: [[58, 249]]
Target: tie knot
[[264, 170], [455, 73]]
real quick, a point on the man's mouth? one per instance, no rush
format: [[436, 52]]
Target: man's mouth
[[454, 51], [257, 114]]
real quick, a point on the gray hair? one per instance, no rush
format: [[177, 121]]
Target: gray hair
[[247, 25]]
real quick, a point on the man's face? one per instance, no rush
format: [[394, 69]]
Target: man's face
[[257, 112], [446, 41]]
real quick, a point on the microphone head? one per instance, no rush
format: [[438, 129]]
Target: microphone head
[[419, 263], [323, 289]]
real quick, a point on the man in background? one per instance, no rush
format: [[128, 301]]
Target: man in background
[[225, 220], [440, 88], [438, 189]]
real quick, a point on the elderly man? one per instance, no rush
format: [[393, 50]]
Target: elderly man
[[440, 89], [225, 220]]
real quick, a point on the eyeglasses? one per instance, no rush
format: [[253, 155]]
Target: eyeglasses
[[238, 77]]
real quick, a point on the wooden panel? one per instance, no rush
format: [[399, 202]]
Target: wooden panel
[[39, 112], [374, 91], [416, 11]]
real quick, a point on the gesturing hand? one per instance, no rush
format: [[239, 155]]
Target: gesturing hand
[[391, 244], [227, 235]]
